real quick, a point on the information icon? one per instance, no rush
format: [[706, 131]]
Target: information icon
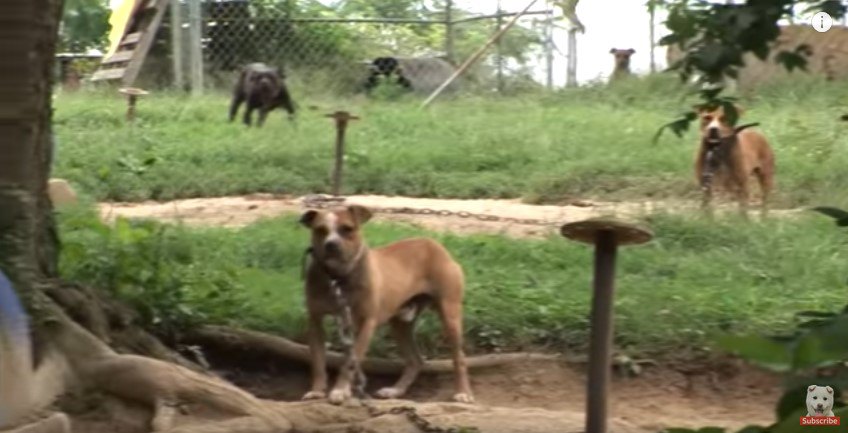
[[822, 22]]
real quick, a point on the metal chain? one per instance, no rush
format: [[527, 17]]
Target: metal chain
[[323, 202], [347, 336]]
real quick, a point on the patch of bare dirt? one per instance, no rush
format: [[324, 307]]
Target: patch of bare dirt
[[241, 211], [553, 393]]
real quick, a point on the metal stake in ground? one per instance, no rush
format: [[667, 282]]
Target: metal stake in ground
[[132, 97], [341, 117], [606, 235]]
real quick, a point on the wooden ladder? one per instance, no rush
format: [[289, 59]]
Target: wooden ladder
[[125, 64]]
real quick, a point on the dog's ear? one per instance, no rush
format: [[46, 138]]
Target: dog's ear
[[811, 388], [308, 218], [631, 51], [829, 389], [612, 50], [361, 214]]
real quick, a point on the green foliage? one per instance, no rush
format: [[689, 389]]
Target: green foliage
[[156, 268], [714, 37], [708, 278], [589, 143], [818, 340], [85, 24]]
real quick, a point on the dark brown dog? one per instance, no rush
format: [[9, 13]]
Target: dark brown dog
[[622, 62], [738, 155], [262, 88], [392, 284]]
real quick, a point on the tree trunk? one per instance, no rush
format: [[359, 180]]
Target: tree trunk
[[28, 242]]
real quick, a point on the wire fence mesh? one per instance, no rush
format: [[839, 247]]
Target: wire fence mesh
[[329, 50]]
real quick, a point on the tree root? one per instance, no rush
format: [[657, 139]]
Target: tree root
[[56, 423], [113, 323], [157, 384], [233, 339]]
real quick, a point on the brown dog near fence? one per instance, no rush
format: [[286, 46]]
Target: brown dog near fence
[[729, 155], [621, 68], [391, 284], [263, 88]]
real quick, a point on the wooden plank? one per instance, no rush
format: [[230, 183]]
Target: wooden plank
[[131, 38], [108, 74], [120, 56], [144, 43]]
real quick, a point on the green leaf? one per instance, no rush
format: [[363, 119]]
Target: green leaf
[[753, 429], [839, 215], [818, 314], [792, 401], [760, 350]]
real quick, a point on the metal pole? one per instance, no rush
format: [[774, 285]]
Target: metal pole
[[196, 47], [475, 56], [549, 47], [571, 77], [342, 118], [449, 30], [652, 13], [499, 51], [177, 43], [600, 350]]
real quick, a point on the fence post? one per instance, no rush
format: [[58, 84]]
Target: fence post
[[549, 46], [499, 50], [177, 43], [196, 47], [449, 30], [652, 17], [571, 75]]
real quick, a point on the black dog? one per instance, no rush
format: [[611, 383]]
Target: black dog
[[385, 66], [263, 88]]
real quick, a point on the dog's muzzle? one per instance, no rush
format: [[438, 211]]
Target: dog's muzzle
[[332, 249]]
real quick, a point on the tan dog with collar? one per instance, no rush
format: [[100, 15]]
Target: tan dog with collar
[[391, 284], [741, 153]]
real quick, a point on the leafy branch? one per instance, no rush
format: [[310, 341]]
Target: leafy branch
[[714, 38]]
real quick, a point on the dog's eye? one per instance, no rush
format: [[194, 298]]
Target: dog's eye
[[321, 231], [815, 398], [825, 398], [345, 230], [708, 118]]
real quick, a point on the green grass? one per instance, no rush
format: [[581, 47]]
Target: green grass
[[695, 279], [594, 142]]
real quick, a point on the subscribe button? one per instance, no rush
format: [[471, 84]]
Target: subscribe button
[[820, 420]]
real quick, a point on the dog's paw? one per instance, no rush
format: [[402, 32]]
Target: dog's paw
[[314, 395], [390, 392], [338, 396], [463, 397]]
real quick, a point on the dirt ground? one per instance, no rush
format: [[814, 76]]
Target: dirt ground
[[728, 395], [241, 211]]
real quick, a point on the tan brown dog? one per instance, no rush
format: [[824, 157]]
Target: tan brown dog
[[621, 68], [391, 284], [739, 153]]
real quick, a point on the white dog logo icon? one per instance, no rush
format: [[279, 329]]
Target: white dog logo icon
[[819, 400]]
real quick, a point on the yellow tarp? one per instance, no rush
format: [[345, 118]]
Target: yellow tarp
[[119, 19]]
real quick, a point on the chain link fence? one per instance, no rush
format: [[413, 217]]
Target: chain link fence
[[325, 49]]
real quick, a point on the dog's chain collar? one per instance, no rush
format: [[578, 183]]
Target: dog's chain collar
[[714, 149], [347, 336]]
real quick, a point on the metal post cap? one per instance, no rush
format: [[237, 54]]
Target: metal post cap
[[586, 231]]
